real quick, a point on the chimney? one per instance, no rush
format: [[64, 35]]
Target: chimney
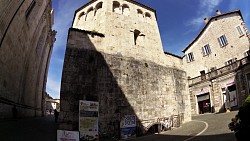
[[218, 12], [206, 20]]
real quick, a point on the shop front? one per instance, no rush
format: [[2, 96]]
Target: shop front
[[204, 103]]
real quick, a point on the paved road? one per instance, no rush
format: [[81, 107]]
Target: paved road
[[30, 129], [207, 127]]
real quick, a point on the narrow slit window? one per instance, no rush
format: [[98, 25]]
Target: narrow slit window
[[136, 34]]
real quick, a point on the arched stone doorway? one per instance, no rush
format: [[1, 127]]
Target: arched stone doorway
[[155, 128]]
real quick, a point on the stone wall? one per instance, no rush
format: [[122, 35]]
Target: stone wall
[[237, 45], [120, 83], [25, 49]]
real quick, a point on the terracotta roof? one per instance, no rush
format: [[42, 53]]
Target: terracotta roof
[[210, 20]]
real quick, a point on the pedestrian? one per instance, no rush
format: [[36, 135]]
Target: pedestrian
[[56, 114], [50, 110], [14, 112]]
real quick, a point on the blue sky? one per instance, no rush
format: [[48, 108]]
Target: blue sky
[[179, 23]]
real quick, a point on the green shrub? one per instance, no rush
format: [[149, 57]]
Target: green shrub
[[247, 101]]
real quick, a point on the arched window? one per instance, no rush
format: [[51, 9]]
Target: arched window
[[136, 34], [140, 13], [98, 7], [116, 7], [147, 15], [125, 10], [81, 16], [90, 14]]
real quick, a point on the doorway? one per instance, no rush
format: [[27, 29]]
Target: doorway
[[154, 129], [204, 103]]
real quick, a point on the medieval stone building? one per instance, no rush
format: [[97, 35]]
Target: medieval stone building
[[114, 56], [215, 56], [26, 42]]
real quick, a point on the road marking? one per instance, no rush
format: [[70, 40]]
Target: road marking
[[200, 132]]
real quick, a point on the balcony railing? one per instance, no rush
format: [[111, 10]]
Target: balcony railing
[[219, 72]]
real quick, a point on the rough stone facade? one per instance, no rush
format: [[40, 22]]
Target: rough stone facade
[[126, 71], [215, 72], [26, 42]]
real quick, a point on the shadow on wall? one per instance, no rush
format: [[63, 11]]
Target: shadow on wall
[[119, 84], [87, 76]]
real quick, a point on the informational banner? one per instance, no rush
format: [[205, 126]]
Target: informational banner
[[88, 120], [63, 135], [128, 126]]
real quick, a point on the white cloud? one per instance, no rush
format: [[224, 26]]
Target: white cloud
[[63, 19], [64, 13], [206, 8], [53, 88]]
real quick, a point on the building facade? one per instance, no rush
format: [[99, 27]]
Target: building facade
[[26, 42], [114, 56], [215, 56]]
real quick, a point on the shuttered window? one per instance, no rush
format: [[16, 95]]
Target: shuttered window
[[239, 30], [222, 40], [190, 57], [206, 50]]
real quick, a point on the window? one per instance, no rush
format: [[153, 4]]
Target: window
[[97, 8], [116, 7], [90, 14], [231, 61], [222, 40], [239, 30], [136, 34], [147, 15], [190, 57], [81, 16], [203, 75], [125, 10], [140, 13], [206, 50]]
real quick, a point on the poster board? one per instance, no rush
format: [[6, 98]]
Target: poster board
[[88, 120], [128, 127], [63, 135]]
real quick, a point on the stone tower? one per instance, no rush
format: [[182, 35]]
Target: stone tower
[[114, 56], [130, 28]]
